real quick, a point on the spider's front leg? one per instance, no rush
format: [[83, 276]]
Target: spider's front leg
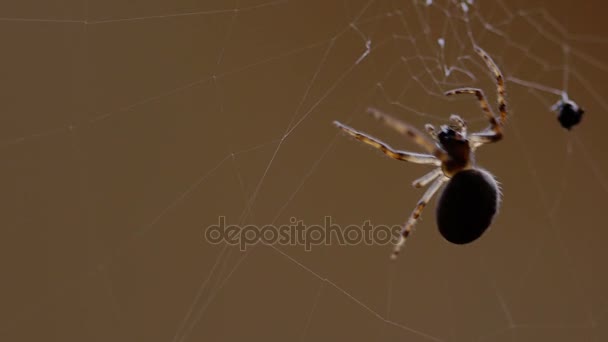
[[418, 158], [500, 83], [430, 129], [495, 133], [406, 129], [494, 124]]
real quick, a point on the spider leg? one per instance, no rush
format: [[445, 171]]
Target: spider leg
[[406, 230], [418, 158], [406, 129], [481, 138], [427, 178], [494, 125], [430, 129], [500, 83]]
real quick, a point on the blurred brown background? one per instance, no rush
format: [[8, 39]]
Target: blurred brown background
[[129, 127]]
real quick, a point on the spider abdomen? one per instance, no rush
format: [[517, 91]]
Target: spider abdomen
[[467, 205]]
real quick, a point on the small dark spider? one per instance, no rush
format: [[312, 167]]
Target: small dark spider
[[569, 114], [471, 197]]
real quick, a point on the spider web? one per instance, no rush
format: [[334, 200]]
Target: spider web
[[128, 128]]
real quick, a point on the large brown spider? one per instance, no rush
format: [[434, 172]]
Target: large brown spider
[[471, 197]]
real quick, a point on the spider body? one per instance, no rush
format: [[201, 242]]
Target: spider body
[[471, 198], [467, 205]]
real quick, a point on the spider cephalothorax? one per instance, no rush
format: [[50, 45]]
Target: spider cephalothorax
[[454, 142], [471, 198]]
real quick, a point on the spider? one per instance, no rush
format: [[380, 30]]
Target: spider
[[471, 198]]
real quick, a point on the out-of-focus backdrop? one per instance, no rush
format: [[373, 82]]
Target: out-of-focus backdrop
[[128, 128]]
